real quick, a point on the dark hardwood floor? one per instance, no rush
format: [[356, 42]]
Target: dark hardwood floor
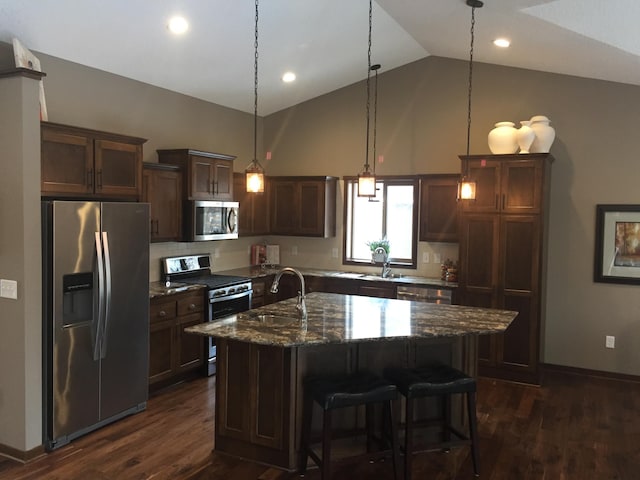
[[573, 427]]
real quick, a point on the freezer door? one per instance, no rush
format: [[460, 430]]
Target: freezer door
[[73, 374], [125, 346]]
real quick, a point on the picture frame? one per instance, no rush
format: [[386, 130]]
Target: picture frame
[[617, 248]]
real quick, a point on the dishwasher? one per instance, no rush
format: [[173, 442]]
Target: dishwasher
[[424, 294]]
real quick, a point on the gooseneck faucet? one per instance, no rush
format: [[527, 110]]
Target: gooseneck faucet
[[386, 267], [301, 306]]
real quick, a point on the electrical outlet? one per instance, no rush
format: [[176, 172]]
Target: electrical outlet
[[437, 258], [609, 341], [334, 252], [294, 250], [425, 257], [9, 289]]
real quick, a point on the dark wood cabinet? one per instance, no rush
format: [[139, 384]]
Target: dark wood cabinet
[[303, 206], [439, 208], [83, 163], [502, 257], [162, 189], [207, 176], [253, 214], [172, 352]]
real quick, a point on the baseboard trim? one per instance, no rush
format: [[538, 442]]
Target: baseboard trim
[[586, 372], [21, 455]]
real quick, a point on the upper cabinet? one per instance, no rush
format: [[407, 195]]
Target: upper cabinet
[[208, 176], [162, 189], [303, 206], [78, 162], [508, 183], [439, 208], [253, 215]]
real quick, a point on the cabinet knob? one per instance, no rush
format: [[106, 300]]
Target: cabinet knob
[[192, 306], [99, 179], [162, 313]]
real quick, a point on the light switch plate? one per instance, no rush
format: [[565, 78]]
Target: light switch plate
[[334, 252], [9, 289], [437, 258]]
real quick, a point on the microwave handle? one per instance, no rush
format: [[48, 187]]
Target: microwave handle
[[231, 220]]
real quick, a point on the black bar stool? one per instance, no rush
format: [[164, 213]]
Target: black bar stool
[[341, 392], [443, 381]]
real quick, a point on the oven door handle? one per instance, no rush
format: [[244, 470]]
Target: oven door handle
[[230, 297]]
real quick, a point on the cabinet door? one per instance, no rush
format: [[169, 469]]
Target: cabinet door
[[439, 208], [190, 347], [118, 169], [202, 178], [223, 180], [285, 207], [311, 200], [377, 291], [253, 214], [266, 375], [233, 389], [521, 186], [66, 163], [163, 191], [520, 270], [161, 350], [486, 174]]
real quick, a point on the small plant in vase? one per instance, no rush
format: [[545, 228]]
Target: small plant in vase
[[376, 255]]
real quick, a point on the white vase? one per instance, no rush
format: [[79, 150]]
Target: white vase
[[502, 139], [545, 134], [525, 136]]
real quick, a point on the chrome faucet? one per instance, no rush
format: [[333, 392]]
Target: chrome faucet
[[301, 306], [386, 266]]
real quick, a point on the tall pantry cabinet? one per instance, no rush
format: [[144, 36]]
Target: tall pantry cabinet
[[502, 256]]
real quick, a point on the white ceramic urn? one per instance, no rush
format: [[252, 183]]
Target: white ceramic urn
[[545, 134], [525, 136], [502, 139]]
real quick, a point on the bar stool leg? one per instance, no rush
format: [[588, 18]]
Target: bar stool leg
[[305, 437], [473, 432], [369, 420], [408, 439], [394, 439], [326, 446], [446, 427]]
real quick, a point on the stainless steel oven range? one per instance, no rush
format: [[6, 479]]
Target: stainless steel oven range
[[225, 294]]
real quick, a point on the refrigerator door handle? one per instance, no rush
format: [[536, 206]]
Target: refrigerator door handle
[[107, 310], [98, 336]]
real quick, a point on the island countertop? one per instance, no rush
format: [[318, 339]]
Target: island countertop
[[335, 318]]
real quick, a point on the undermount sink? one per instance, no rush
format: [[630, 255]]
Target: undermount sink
[[272, 319], [175, 287]]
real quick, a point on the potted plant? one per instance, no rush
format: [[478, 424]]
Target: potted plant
[[375, 246]]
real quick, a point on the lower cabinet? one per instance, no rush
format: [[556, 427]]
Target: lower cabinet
[[172, 352]]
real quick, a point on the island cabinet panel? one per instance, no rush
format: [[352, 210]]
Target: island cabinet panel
[[253, 402], [502, 238], [162, 189], [303, 206], [208, 176], [172, 352], [439, 208], [78, 162], [253, 214]]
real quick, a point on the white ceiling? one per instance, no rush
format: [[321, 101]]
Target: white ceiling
[[323, 41]]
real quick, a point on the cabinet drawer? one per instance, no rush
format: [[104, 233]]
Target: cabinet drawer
[[191, 304], [159, 312]]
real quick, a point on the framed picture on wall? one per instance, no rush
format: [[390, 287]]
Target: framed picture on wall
[[25, 59], [617, 253]]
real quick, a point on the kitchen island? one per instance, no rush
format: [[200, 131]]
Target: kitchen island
[[264, 354]]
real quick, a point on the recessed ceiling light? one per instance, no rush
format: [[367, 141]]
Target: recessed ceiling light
[[501, 42], [178, 25], [288, 77]]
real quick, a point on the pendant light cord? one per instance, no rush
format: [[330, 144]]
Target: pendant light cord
[[366, 161], [375, 117], [255, 92], [473, 23]]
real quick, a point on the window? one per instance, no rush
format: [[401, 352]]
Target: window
[[392, 213]]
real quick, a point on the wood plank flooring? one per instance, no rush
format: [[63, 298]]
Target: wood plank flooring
[[572, 428]]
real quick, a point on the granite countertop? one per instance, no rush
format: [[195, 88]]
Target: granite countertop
[[336, 318], [258, 271], [160, 289]]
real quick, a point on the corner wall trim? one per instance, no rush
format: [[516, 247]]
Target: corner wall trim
[[549, 367], [21, 455]]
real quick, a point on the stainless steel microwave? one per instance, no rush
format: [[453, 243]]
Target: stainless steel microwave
[[211, 220]]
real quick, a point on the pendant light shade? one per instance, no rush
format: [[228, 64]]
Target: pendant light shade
[[254, 172], [366, 184], [466, 186]]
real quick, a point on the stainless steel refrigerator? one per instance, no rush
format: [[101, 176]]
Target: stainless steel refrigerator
[[95, 315]]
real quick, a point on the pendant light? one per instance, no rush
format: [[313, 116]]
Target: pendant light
[[254, 172], [367, 179], [467, 187]]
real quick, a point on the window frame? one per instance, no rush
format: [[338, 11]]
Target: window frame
[[412, 180]]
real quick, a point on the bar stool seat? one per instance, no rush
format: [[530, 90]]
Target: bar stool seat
[[334, 392], [440, 381]]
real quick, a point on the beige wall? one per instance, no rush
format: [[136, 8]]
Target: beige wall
[[422, 129]]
